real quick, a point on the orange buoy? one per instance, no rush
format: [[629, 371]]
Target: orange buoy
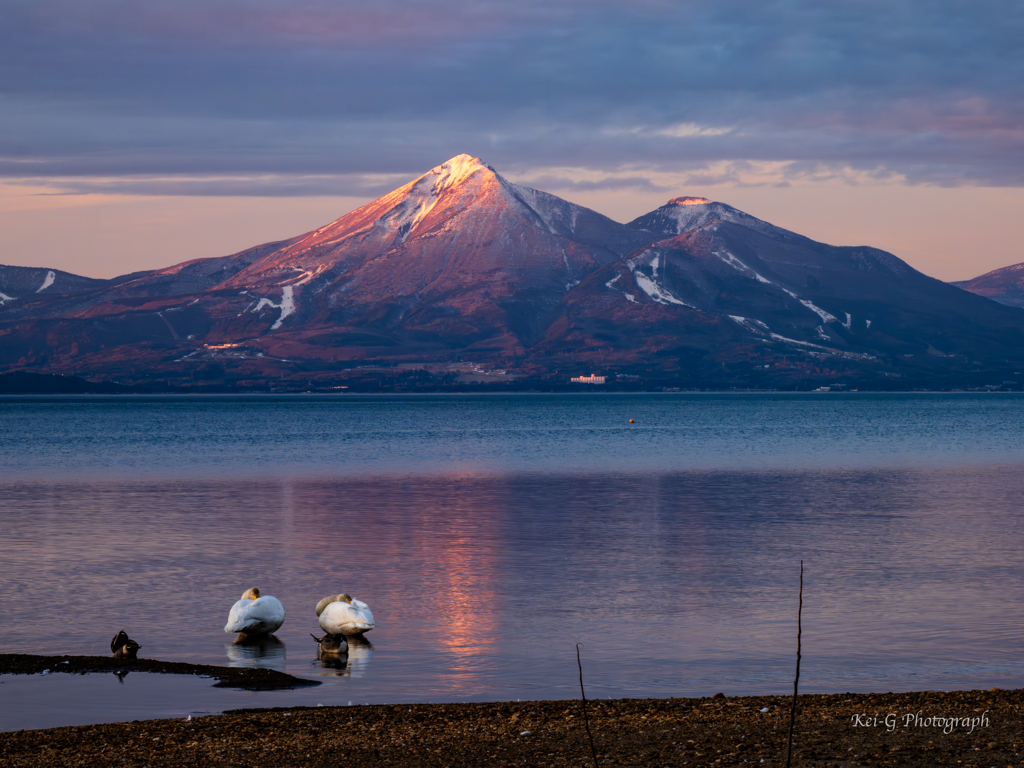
[[630, 421]]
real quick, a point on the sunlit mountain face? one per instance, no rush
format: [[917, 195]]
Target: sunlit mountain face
[[461, 276]]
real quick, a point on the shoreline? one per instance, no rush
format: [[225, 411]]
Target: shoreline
[[843, 729]]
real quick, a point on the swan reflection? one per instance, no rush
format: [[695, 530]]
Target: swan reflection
[[261, 651], [354, 663]]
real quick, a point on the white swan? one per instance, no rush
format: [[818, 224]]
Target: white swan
[[255, 615], [344, 615]]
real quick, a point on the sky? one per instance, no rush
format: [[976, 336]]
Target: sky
[[135, 134]]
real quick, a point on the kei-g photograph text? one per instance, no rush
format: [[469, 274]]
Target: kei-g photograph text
[[893, 721]]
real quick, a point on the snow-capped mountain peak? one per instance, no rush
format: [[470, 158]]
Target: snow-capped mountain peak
[[424, 193], [457, 170], [458, 225], [684, 214]]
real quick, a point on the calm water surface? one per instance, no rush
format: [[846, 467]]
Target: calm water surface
[[491, 534]]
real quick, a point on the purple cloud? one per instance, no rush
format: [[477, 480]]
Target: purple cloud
[[928, 90]]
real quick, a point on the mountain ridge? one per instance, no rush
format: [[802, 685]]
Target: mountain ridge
[[1005, 285], [461, 267]]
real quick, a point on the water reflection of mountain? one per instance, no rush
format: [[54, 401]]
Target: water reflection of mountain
[[430, 560], [481, 584], [469, 570], [257, 652]]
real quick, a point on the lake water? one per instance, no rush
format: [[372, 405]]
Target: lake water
[[490, 534]]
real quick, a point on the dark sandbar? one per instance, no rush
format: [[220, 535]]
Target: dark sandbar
[[247, 678]]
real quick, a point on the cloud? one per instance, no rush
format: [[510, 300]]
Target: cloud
[[564, 182], [688, 130], [308, 94], [266, 185]]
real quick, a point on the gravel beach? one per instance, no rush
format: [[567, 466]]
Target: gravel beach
[[958, 728]]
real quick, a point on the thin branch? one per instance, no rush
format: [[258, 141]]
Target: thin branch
[[796, 680], [586, 721]]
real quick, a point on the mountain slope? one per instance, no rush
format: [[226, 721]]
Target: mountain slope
[[837, 289], [26, 284], [726, 286], [70, 295], [457, 259], [1005, 285], [459, 254]]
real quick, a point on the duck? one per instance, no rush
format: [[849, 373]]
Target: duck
[[344, 615], [330, 645], [255, 615], [123, 647]]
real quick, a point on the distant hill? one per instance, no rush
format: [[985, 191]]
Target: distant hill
[[39, 282], [1005, 285], [462, 278]]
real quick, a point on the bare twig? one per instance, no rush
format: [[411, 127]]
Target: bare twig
[[586, 721], [796, 680]]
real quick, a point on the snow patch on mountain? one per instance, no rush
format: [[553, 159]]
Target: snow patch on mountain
[[287, 305], [47, 281], [4, 298], [761, 329], [823, 350], [751, 324], [306, 276], [649, 285], [631, 298], [542, 207], [558, 216], [739, 266], [778, 337], [174, 333], [825, 316], [735, 263], [655, 291], [570, 283]]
